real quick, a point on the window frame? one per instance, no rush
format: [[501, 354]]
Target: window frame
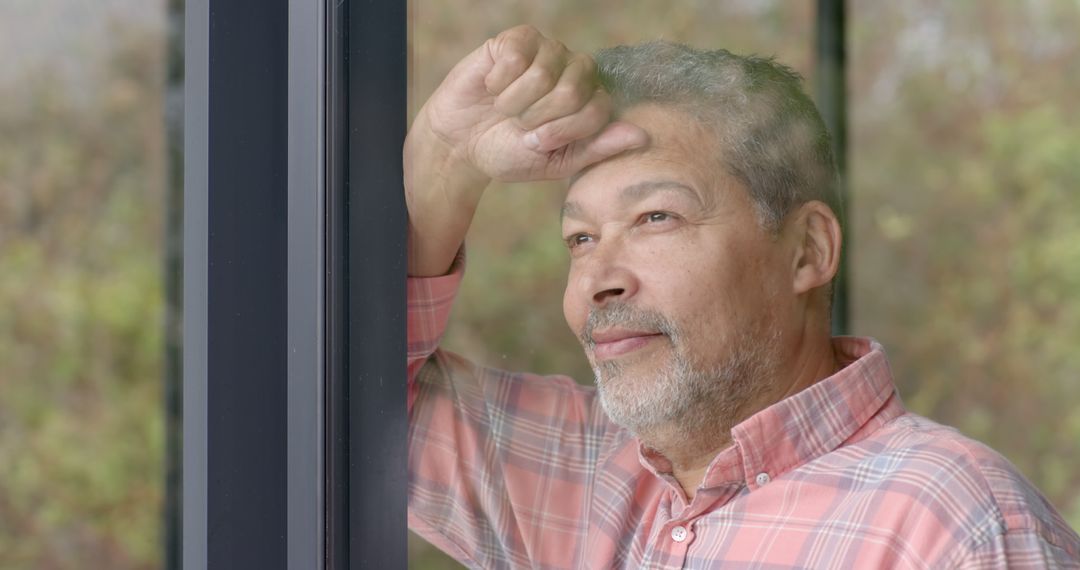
[[294, 427]]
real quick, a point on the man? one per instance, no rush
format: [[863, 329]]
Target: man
[[727, 428]]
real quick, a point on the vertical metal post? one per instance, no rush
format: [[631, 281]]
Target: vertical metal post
[[174, 271], [246, 305], [336, 419], [196, 134], [376, 231], [306, 247], [236, 299], [831, 91], [294, 363]]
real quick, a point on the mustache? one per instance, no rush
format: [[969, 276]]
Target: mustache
[[625, 315]]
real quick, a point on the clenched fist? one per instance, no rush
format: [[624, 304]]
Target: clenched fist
[[520, 107]]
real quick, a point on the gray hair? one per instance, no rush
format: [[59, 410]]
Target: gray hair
[[771, 136]]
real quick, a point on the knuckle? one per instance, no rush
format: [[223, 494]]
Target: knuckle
[[514, 47], [568, 95], [543, 77], [519, 36], [514, 61], [519, 31], [526, 30]]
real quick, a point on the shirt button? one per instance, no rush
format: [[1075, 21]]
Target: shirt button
[[762, 479], [678, 534]]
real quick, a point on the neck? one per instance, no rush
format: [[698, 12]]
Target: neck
[[693, 443]]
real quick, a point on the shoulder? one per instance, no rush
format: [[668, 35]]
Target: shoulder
[[964, 488]]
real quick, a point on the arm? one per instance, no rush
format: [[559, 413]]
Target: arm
[[499, 463]]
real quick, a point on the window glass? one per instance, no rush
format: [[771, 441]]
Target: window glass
[[966, 246], [509, 311], [83, 175], [962, 212]]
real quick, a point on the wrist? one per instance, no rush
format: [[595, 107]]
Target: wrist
[[436, 166], [442, 191]]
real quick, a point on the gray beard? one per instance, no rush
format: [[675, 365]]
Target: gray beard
[[681, 398]]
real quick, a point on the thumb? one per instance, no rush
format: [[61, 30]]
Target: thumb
[[617, 137]]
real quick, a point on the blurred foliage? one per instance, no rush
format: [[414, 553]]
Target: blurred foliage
[[966, 254], [81, 333], [965, 214], [965, 243]]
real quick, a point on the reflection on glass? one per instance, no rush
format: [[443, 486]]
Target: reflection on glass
[[962, 176], [509, 313], [82, 184]]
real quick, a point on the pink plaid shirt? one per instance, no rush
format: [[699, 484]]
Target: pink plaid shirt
[[513, 470]]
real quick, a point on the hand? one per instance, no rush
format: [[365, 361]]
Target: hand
[[522, 107]]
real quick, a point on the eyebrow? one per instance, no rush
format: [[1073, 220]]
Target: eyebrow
[[635, 193]]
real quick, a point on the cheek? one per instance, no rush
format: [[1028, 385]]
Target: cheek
[[681, 283], [700, 284], [574, 310]]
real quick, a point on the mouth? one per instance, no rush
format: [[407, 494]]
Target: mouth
[[613, 343]]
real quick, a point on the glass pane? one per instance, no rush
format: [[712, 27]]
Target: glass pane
[[964, 176], [83, 171], [516, 256]]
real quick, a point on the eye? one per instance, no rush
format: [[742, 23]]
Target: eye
[[657, 217], [577, 239]]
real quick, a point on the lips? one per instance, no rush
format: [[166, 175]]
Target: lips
[[612, 343]]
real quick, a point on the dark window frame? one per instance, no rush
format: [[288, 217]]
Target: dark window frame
[[294, 279], [294, 358]]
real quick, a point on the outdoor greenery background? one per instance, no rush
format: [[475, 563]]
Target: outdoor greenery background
[[964, 136], [82, 173], [965, 226]]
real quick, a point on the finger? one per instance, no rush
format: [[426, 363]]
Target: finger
[[584, 123], [616, 138], [512, 52], [574, 89], [538, 80]]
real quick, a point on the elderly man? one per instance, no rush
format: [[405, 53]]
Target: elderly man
[[727, 428]]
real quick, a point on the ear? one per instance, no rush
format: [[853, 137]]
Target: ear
[[817, 237]]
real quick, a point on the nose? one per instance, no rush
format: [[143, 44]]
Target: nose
[[607, 275]]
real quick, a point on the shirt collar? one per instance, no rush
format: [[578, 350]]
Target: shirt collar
[[841, 408]]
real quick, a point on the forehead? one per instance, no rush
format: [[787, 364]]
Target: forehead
[[680, 149]]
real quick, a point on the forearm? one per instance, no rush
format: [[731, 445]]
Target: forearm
[[442, 192]]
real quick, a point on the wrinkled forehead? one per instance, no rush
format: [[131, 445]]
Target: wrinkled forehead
[[680, 150], [672, 134]]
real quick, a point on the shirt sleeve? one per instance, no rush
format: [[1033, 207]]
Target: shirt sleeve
[[1024, 547], [428, 301], [501, 464]]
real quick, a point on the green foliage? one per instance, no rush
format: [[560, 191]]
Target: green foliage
[[81, 433]]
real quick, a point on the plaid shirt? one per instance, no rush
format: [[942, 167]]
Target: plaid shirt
[[512, 470]]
